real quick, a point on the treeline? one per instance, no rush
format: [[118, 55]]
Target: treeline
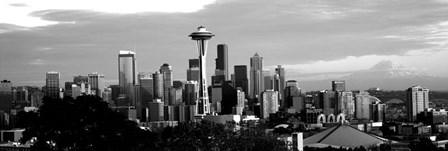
[[87, 123]]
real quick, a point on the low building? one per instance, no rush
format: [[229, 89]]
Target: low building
[[223, 119]]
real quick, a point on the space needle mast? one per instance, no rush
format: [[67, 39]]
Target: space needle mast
[[201, 37]]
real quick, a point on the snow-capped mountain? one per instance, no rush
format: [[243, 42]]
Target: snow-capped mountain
[[386, 75]]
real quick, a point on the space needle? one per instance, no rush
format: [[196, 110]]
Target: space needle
[[201, 37]]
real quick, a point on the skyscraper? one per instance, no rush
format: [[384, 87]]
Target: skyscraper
[[222, 61], [193, 70], [126, 74], [5, 86], [338, 85], [191, 92], [280, 71], [362, 102], [346, 104], [256, 76], [241, 78], [417, 101], [167, 74], [96, 82], [201, 37], [268, 80], [269, 103], [158, 85], [52, 84]]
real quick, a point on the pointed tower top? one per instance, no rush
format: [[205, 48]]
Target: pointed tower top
[[256, 55]]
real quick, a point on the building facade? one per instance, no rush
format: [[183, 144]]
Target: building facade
[[417, 101]]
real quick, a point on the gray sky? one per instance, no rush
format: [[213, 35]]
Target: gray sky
[[312, 39]]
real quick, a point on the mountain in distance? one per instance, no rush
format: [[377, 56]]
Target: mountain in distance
[[386, 75]]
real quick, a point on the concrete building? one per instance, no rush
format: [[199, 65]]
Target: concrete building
[[378, 111], [158, 85], [417, 101], [222, 61], [241, 78], [167, 75], [156, 110], [97, 83], [5, 86], [193, 70], [127, 76], [269, 103], [52, 84], [280, 86], [191, 91], [346, 103], [338, 85], [256, 76]]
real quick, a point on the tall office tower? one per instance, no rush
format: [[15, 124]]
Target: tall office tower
[[175, 96], [5, 86], [292, 93], [167, 73], [107, 95], [191, 92], [241, 101], [377, 111], [417, 101], [158, 85], [268, 80], [193, 70], [229, 98], [97, 84], [292, 83], [201, 37], [52, 84], [328, 101], [146, 89], [115, 89], [338, 85], [346, 104], [5, 96], [362, 102], [241, 78], [127, 76], [222, 61], [280, 71], [80, 79], [68, 89], [156, 110], [256, 76], [20, 94], [269, 103]]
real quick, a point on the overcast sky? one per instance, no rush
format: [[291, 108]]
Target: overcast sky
[[310, 38]]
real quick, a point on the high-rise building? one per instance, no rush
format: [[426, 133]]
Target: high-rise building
[[338, 85], [241, 78], [362, 103], [158, 85], [167, 73], [291, 93], [80, 79], [193, 70], [201, 37], [5, 86], [241, 101], [328, 101], [146, 89], [97, 83], [417, 101], [127, 76], [229, 98], [52, 84], [191, 93], [378, 111], [222, 61], [346, 104], [280, 71], [5, 97], [256, 76], [269, 103], [268, 80]]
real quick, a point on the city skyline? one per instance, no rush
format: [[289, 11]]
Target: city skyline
[[356, 36]]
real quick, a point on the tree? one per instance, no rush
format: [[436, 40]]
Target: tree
[[85, 123], [422, 144]]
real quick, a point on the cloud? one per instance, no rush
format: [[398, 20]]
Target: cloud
[[307, 37], [19, 13], [38, 62]]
